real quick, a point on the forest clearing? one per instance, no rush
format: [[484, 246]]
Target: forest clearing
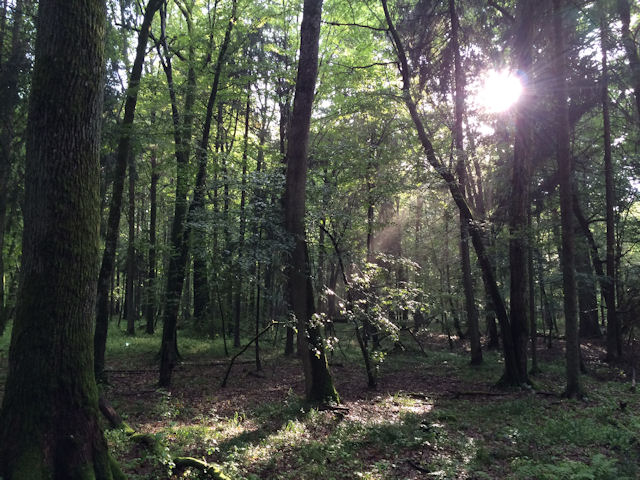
[[319, 239]]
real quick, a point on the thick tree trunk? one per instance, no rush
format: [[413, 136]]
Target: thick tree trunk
[[318, 382], [565, 173], [461, 171], [520, 181], [49, 419], [113, 224]]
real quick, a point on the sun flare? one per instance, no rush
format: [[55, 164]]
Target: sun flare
[[499, 91]]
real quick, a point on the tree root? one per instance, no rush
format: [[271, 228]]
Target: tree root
[[210, 470]]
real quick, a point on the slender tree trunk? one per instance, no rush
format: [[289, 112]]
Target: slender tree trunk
[[318, 382], [113, 224], [201, 299], [243, 220], [49, 422], [467, 281], [613, 324], [565, 171], [151, 297], [177, 254], [587, 300], [131, 312], [533, 328]]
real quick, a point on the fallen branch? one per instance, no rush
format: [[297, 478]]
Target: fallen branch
[[479, 393], [415, 338], [244, 349], [418, 467], [415, 395], [333, 408], [210, 470]]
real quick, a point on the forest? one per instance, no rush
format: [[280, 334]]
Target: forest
[[319, 239]]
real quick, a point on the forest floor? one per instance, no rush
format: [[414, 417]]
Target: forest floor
[[432, 416]]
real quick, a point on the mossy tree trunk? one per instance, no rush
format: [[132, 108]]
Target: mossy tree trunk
[[318, 382], [49, 420]]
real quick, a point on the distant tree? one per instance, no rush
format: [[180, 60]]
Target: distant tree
[[11, 67], [49, 420]]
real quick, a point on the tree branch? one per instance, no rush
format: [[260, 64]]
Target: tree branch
[[359, 25]]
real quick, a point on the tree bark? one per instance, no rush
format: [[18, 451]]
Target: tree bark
[[565, 174], [113, 224], [49, 419], [318, 381], [520, 184]]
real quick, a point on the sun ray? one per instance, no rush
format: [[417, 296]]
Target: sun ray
[[500, 89]]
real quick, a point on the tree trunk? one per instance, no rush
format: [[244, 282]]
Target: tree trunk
[[49, 424], [613, 325], [565, 173], [131, 312], [318, 382], [177, 253], [243, 220], [201, 299], [458, 132], [520, 181], [151, 296], [587, 300], [113, 224]]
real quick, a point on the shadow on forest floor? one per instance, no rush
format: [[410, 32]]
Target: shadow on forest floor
[[432, 416]]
